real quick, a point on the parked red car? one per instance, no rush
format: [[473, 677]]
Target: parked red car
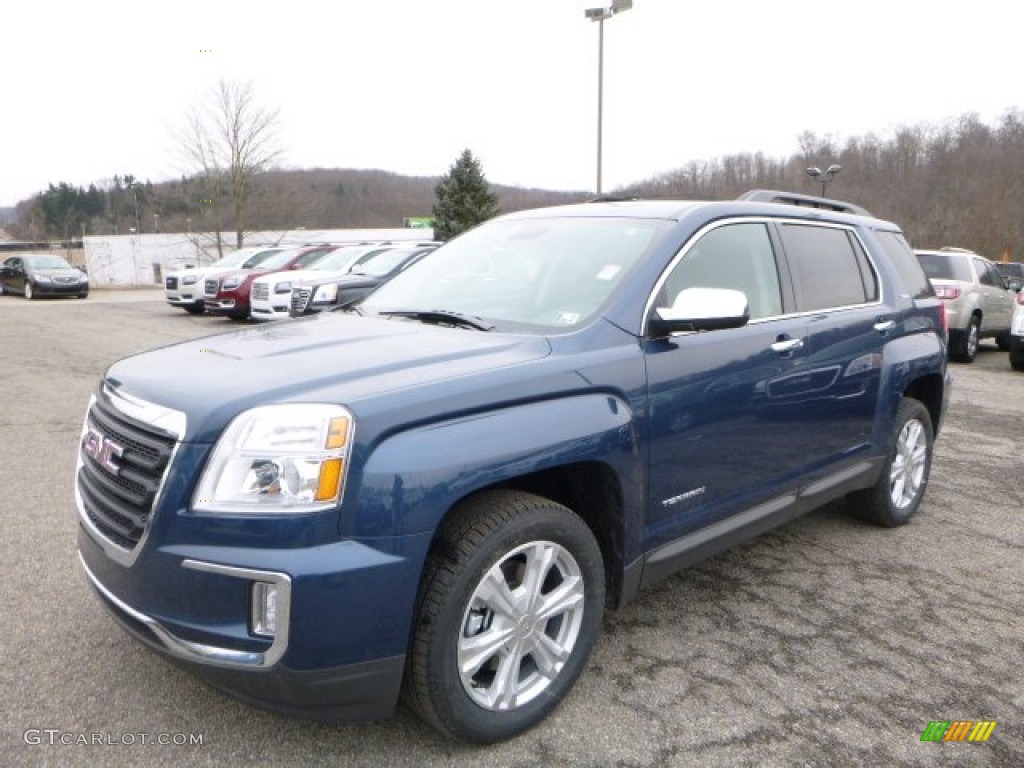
[[228, 294]]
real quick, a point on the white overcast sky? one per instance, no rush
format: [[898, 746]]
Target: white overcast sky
[[94, 88]]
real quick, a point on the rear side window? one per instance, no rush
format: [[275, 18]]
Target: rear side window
[[902, 258], [829, 267]]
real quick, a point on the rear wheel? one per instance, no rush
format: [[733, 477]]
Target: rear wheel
[[510, 608], [965, 345], [1003, 341], [1017, 354], [900, 488]]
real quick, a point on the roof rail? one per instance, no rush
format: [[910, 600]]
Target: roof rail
[[808, 201]]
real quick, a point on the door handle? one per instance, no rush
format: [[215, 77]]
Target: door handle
[[884, 326], [782, 346]]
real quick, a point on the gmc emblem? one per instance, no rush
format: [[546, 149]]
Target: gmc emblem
[[103, 450]]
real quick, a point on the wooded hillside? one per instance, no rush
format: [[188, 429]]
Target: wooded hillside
[[960, 184]]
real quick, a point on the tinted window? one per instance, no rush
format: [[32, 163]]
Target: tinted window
[[828, 268], [945, 266], [1010, 268], [737, 256], [985, 277], [914, 280]]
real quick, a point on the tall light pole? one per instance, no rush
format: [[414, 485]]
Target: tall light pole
[[599, 15], [824, 176]]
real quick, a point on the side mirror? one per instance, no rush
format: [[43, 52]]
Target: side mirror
[[1015, 284], [701, 309]]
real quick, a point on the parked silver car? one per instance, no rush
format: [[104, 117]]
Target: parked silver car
[[978, 302]]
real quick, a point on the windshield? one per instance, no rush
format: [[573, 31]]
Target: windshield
[[233, 259], [546, 273], [945, 266], [383, 262], [46, 262], [338, 260], [262, 258]]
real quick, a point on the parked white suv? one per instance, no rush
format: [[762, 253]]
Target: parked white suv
[[184, 287], [978, 302]]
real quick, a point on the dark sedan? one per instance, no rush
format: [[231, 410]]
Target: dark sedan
[[42, 274], [373, 270]]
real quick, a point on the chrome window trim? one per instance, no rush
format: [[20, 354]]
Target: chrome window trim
[[681, 254], [201, 653]]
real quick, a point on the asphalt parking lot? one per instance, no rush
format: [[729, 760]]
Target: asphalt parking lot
[[826, 642]]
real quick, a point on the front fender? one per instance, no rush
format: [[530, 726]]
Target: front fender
[[413, 478]]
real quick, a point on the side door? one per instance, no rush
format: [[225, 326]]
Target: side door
[[997, 299], [14, 275], [718, 461], [837, 290]]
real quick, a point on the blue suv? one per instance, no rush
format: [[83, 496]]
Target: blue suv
[[434, 496]]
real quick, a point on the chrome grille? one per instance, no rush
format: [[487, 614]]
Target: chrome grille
[[212, 287], [171, 283], [261, 291], [118, 502], [300, 300]]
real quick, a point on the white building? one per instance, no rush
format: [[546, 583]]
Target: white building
[[142, 260]]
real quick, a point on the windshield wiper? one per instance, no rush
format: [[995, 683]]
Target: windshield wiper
[[442, 317]]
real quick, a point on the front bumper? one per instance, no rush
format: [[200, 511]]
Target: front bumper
[[344, 616], [184, 298], [60, 289], [262, 310], [226, 306]]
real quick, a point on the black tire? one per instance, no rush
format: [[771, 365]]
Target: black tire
[[1003, 341], [195, 309], [83, 295], [900, 488], [964, 345], [502, 539], [1017, 354], [29, 290]]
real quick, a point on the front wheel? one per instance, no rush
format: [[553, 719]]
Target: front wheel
[[30, 291], [195, 309], [509, 610], [900, 488]]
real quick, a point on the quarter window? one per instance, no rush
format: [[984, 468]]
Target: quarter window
[[829, 267]]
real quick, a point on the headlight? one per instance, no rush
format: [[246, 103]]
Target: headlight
[[230, 282], [42, 278], [188, 280], [288, 458], [283, 288], [326, 293]]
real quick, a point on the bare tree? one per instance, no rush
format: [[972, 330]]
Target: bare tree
[[229, 140]]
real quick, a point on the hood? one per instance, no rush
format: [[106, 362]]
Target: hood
[[201, 272], [56, 272], [333, 357], [304, 276]]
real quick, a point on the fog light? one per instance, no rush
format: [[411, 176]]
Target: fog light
[[264, 608]]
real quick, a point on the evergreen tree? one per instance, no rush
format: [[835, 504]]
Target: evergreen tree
[[464, 199]]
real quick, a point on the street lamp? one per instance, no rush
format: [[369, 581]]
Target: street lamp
[[599, 15], [824, 176]]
